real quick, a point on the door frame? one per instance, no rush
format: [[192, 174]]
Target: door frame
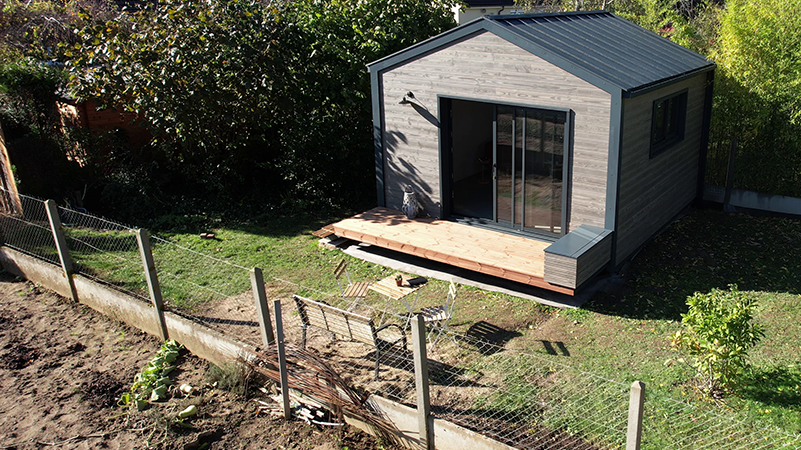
[[444, 116]]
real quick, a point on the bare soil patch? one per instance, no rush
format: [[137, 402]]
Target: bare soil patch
[[63, 368]]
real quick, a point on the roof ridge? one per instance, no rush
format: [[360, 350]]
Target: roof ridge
[[496, 17]]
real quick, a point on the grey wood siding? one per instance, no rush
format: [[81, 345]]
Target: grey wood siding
[[573, 260], [652, 191], [487, 68]]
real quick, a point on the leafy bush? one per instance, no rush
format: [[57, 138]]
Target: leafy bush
[[250, 101], [718, 332]]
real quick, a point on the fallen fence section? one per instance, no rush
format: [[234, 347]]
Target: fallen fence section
[[217, 348]]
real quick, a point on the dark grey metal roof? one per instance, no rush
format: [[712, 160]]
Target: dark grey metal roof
[[599, 47], [488, 3]]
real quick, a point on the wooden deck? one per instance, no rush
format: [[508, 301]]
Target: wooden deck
[[498, 254]]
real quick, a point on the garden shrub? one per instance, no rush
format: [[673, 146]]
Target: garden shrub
[[718, 332]]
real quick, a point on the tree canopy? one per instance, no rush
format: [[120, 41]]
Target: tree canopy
[[251, 97]]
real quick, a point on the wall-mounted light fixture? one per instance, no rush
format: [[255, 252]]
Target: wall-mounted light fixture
[[407, 99]]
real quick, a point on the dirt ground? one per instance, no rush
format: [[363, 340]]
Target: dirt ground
[[63, 368]]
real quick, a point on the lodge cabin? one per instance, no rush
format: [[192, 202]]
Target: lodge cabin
[[564, 140]]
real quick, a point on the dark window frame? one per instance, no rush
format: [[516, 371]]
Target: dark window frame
[[666, 133]]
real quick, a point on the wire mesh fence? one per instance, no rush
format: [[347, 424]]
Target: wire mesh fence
[[670, 424], [212, 290], [104, 251], [29, 231], [524, 399]]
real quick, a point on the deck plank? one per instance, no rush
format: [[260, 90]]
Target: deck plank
[[502, 255]]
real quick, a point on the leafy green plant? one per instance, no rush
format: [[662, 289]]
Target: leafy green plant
[[718, 332], [150, 385]]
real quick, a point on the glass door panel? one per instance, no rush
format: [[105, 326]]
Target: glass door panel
[[529, 157], [504, 181], [544, 163], [517, 167]]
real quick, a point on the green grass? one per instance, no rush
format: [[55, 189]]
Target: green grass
[[622, 334]]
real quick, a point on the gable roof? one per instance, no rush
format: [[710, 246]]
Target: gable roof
[[598, 47]]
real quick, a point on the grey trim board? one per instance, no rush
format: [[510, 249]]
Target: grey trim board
[[706, 124], [378, 135], [613, 169], [578, 241], [659, 85], [444, 113]]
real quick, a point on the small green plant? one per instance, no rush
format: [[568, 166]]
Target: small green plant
[[150, 385], [718, 332]]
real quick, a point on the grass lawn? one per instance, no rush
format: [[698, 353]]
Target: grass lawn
[[621, 335]]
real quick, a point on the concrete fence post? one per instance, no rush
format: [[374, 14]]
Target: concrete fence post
[[636, 402], [143, 239], [424, 419], [262, 309], [61, 245], [279, 341]]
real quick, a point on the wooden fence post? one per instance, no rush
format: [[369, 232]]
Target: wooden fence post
[[279, 335], [636, 402], [262, 309], [424, 421], [61, 246], [152, 279]]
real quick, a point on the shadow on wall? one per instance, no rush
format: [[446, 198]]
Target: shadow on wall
[[405, 173]]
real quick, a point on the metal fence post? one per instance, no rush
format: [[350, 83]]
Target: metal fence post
[[61, 245], [262, 309], [636, 402], [152, 279], [279, 334], [730, 176], [424, 421]]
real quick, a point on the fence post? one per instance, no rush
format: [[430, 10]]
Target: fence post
[[636, 402], [424, 422], [152, 279], [262, 309], [279, 335], [61, 245], [730, 176]]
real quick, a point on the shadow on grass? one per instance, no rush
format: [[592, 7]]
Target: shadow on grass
[[774, 386], [488, 338], [706, 249]]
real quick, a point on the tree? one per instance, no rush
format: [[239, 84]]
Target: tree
[[758, 95], [760, 47], [251, 97]]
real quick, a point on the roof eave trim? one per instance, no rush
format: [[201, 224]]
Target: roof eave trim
[[650, 87], [429, 45]]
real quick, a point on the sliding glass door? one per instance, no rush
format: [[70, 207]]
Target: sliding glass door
[[505, 165], [529, 161]]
